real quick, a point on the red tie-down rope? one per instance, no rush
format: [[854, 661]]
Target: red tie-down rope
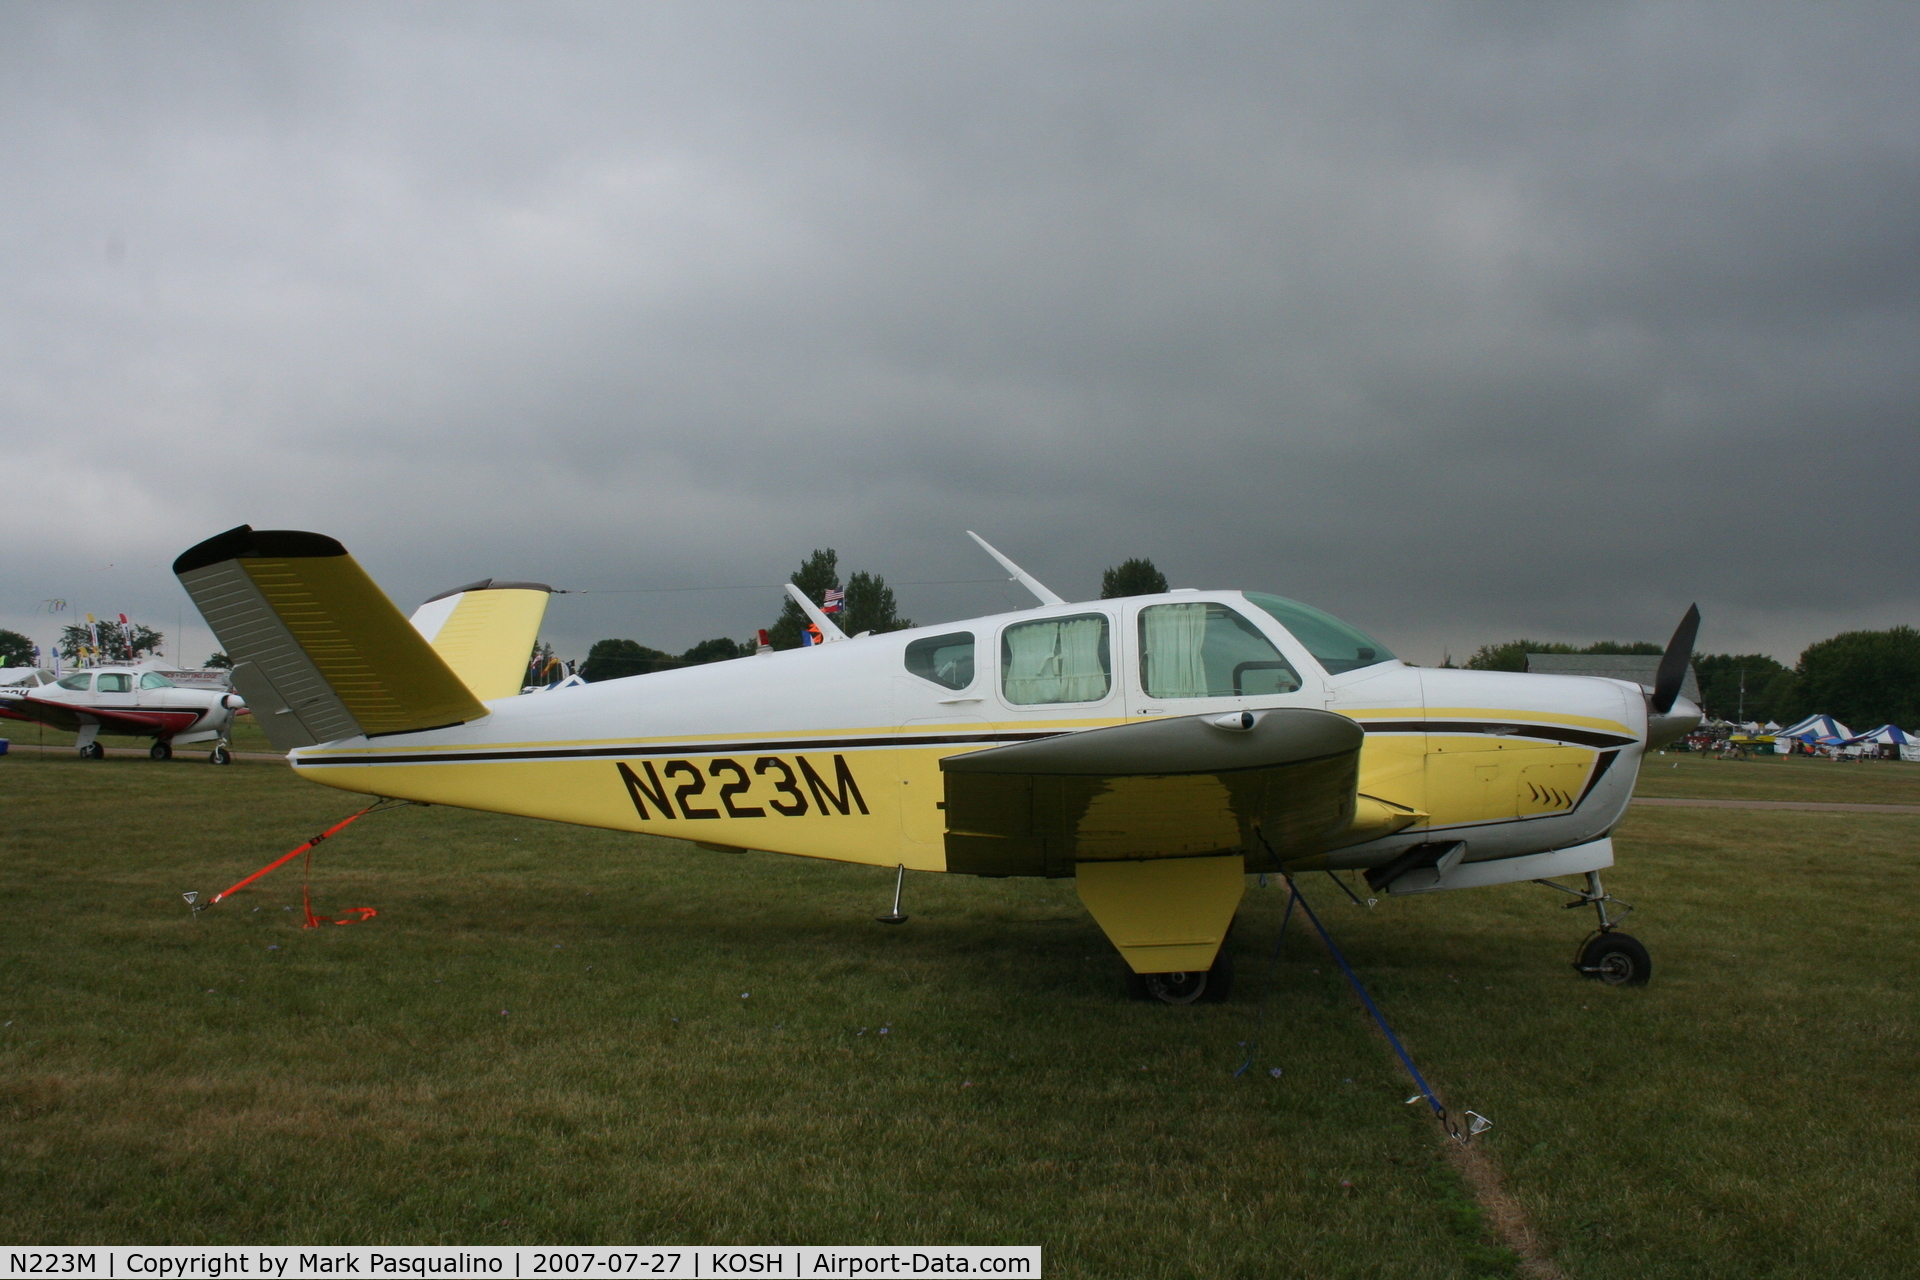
[[353, 915]]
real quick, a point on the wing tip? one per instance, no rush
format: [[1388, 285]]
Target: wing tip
[[244, 542]]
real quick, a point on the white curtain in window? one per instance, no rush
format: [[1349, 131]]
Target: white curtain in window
[[1082, 678], [1174, 635], [1055, 661]]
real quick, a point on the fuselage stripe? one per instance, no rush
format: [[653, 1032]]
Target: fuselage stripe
[[762, 746], [1500, 729]]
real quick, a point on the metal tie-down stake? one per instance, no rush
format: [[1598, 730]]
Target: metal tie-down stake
[[895, 916]]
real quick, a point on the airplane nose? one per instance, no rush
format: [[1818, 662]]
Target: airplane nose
[[1682, 718]]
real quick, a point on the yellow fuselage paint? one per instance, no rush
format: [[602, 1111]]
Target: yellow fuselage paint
[[884, 806]]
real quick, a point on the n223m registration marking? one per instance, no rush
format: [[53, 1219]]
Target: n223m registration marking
[[678, 787]]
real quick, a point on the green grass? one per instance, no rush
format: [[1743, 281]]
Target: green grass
[[1750, 1114], [1770, 777]]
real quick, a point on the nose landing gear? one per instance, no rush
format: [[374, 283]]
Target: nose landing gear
[[1606, 954]]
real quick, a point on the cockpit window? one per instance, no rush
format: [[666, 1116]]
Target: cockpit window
[[1333, 644], [113, 682], [154, 680], [79, 680], [1056, 660], [1205, 650], [946, 660]]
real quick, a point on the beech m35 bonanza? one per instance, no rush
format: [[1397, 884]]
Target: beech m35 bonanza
[[138, 700], [1156, 749]]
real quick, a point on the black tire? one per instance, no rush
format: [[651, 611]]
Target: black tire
[[220, 755], [162, 751], [1209, 987], [1617, 960], [93, 751]]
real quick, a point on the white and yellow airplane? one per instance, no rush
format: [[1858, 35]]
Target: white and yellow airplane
[[1156, 749]]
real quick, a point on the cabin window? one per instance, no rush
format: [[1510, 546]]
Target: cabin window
[[946, 660], [1203, 650], [113, 682], [1333, 644], [79, 680], [154, 680], [1056, 660]]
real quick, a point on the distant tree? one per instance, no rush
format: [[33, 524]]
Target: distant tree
[[1512, 656], [718, 649], [220, 660], [1132, 578], [817, 574], [15, 650], [613, 659], [115, 643], [1864, 679], [870, 605], [1768, 686]]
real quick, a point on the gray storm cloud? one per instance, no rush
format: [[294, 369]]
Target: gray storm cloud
[[1465, 321]]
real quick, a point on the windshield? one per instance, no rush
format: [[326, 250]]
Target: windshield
[[154, 680], [1333, 644]]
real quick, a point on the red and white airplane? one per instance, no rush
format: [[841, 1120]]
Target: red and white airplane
[[141, 700]]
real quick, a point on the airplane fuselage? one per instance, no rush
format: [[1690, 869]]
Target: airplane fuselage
[[835, 751]]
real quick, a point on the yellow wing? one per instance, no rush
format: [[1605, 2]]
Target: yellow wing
[[318, 650]]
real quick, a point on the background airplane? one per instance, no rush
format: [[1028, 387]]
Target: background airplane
[[1156, 749], [140, 700]]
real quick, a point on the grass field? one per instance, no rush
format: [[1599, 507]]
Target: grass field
[[1770, 777], [557, 1035]]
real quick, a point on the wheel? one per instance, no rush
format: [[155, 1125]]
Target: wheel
[[93, 751], [220, 756], [1176, 988], [1208, 987], [162, 751], [1617, 960]]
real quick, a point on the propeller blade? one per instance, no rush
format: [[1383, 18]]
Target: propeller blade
[[1673, 663]]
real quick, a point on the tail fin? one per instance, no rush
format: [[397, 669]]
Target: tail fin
[[484, 632], [318, 651]]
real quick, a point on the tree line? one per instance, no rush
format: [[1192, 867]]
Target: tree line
[[1864, 679]]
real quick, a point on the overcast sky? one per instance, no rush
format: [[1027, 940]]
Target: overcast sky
[[1463, 321]]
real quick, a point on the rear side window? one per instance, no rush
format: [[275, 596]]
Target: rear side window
[[1056, 660], [113, 682], [946, 660], [78, 680], [1203, 650]]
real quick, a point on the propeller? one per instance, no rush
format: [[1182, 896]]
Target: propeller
[[1673, 663]]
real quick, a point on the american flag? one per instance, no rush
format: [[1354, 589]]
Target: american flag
[[835, 602]]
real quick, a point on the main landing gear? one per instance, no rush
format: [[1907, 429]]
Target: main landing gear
[[1207, 987], [162, 750], [92, 751], [1606, 954]]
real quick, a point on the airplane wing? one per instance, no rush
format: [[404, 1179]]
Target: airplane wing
[[62, 715], [1185, 786], [318, 650]]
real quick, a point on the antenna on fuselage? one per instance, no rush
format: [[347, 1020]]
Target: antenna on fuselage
[[828, 632], [1020, 575]]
